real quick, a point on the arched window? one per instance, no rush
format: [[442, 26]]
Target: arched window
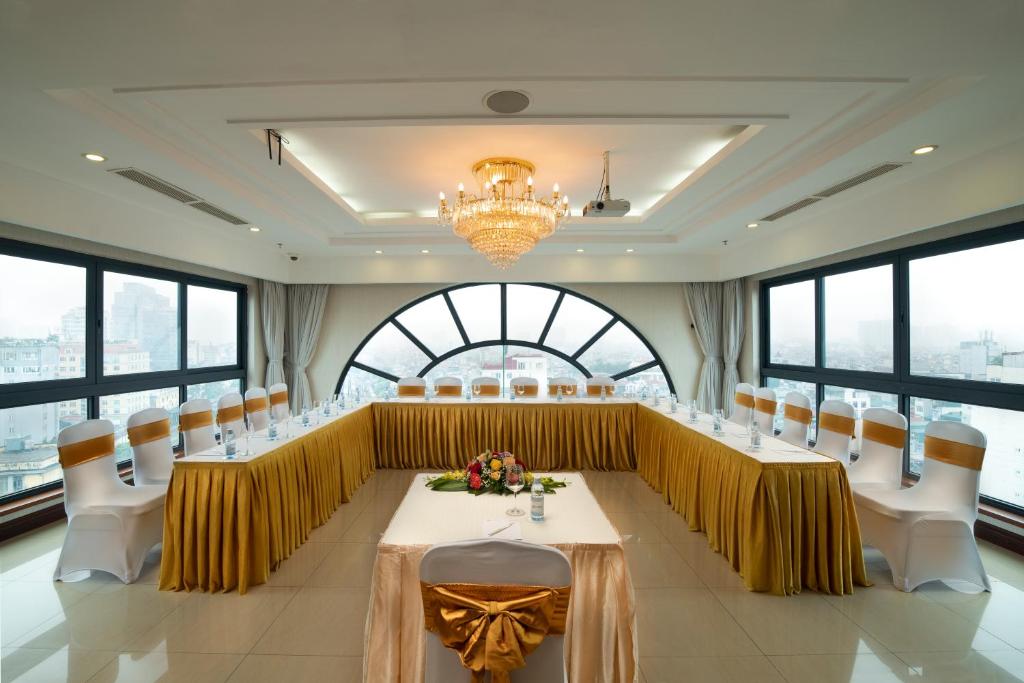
[[503, 331]]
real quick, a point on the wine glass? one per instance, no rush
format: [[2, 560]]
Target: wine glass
[[250, 431], [515, 480], [476, 390], [520, 389]]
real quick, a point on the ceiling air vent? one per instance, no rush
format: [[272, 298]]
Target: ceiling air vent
[[216, 212], [785, 211], [156, 184], [858, 179]]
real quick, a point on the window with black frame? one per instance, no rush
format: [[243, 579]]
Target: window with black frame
[[932, 331], [84, 337]]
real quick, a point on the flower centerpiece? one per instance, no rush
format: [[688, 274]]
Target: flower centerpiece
[[489, 473]]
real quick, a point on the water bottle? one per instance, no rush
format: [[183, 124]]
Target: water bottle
[[537, 500], [604, 393], [272, 430], [673, 403], [230, 448], [693, 412], [327, 408], [558, 394], [305, 417], [755, 436]]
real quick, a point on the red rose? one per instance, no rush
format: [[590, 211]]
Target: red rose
[[474, 481], [475, 467], [521, 464]]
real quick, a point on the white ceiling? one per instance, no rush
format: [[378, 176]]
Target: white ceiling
[[716, 114]]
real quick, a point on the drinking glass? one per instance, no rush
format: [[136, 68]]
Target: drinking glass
[[515, 480], [476, 390], [250, 431], [520, 389]]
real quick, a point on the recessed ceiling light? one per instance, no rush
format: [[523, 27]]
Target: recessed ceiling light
[[579, 251], [630, 251], [751, 225], [379, 251], [254, 228], [93, 156], [424, 251], [926, 149]]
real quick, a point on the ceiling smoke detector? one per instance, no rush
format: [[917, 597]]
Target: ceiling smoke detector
[[507, 101]]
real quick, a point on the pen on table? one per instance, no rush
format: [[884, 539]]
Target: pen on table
[[498, 531]]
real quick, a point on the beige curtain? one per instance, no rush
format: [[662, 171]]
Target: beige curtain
[[704, 300], [274, 314], [732, 333], [306, 304]]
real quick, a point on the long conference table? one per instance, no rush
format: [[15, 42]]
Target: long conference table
[[783, 517]]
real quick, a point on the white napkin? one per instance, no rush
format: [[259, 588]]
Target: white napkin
[[513, 532]]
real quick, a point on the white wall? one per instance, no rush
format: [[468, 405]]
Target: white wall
[[656, 310]]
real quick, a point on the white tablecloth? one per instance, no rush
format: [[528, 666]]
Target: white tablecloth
[[600, 638]]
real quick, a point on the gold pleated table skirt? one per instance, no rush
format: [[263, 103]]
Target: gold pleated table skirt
[[228, 524]]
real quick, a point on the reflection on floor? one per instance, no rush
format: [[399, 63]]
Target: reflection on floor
[[696, 621]]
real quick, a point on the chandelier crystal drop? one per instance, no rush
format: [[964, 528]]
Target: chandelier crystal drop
[[506, 220]]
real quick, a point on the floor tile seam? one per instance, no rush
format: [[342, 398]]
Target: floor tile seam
[[256, 641], [736, 621]]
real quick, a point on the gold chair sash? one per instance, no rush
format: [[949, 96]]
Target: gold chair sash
[[279, 397], [764, 405], [953, 452], [190, 421], [230, 414], [839, 424], [883, 434], [798, 414], [255, 405], [493, 628], [567, 389], [595, 389], [486, 390], [82, 452], [745, 400], [411, 390], [150, 431], [448, 390], [529, 390]]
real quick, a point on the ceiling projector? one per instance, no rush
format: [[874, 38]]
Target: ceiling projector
[[604, 206]]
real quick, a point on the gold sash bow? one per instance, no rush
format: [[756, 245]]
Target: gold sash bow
[[493, 628], [949, 452], [486, 390], [883, 434], [526, 389], [745, 400], [595, 389], [255, 405], [190, 421], [150, 431], [83, 451], [279, 397], [229, 414], [411, 390], [840, 424], [567, 389], [798, 414], [448, 390], [763, 405]]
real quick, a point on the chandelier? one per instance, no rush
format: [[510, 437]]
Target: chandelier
[[506, 220]]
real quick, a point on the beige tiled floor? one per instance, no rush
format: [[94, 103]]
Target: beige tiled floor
[[696, 621]]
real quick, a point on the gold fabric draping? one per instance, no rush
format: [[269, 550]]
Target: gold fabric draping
[[944, 450], [189, 421], [783, 526], [764, 405], [411, 390], [546, 436], [448, 390], [528, 390], [798, 414], [883, 434], [151, 431], [279, 398], [255, 405], [594, 390], [230, 414], [745, 400], [228, 524], [567, 389], [840, 424], [83, 451], [600, 638]]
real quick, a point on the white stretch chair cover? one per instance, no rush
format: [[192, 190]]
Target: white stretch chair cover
[[278, 397], [765, 407], [149, 433], [486, 387], [595, 383], [448, 387], [257, 407], [926, 532], [742, 404], [412, 387], [111, 526], [797, 416], [195, 419], [524, 387], [836, 425], [570, 387], [487, 561], [231, 415], [880, 465]]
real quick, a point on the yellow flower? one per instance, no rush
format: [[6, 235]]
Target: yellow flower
[[496, 475], [495, 465], [529, 478]]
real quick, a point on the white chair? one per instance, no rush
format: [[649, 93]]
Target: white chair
[[797, 416], [926, 532], [195, 420], [568, 385], [257, 407], [835, 429], [486, 387], [111, 526], [598, 382], [412, 387], [880, 465], [512, 563], [278, 394], [742, 404], [448, 387], [149, 433], [524, 387], [231, 414], [765, 407]]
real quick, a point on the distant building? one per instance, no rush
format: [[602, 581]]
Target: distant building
[[72, 325], [146, 318], [976, 356], [28, 360], [518, 365]]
